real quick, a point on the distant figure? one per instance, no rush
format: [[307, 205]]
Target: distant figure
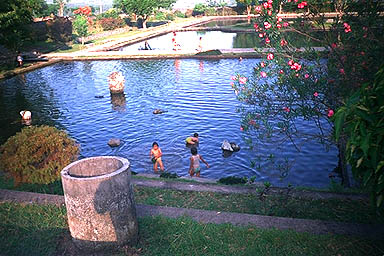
[[200, 46], [240, 59], [194, 166], [19, 59], [193, 140], [147, 46], [155, 155]]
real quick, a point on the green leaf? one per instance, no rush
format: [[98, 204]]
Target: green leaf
[[359, 162], [379, 200], [339, 121], [379, 166]]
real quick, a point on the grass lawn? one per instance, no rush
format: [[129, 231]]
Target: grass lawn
[[39, 230], [282, 205]]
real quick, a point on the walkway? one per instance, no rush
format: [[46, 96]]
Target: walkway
[[300, 225]]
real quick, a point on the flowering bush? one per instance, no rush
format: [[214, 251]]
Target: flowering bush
[[111, 23], [294, 85], [37, 154]]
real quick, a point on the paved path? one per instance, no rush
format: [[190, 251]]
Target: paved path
[[204, 216]]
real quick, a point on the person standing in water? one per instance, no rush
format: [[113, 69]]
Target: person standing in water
[[155, 156], [194, 166]]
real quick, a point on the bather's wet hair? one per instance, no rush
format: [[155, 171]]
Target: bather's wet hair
[[194, 151], [195, 135], [155, 144]]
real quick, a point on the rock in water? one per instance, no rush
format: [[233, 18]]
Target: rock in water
[[114, 142], [235, 147], [226, 146]]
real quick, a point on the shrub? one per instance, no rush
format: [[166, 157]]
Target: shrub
[[179, 14], [37, 154], [111, 13], [169, 16], [233, 180], [168, 175], [111, 23], [160, 16]]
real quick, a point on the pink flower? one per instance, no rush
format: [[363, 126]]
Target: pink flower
[[283, 42], [334, 45], [342, 71], [279, 19], [258, 8], [330, 113], [267, 25], [300, 6], [316, 94], [241, 128], [281, 71], [256, 26], [234, 78], [285, 24], [232, 84], [306, 75], [270, 1], [347, 27], [263, 74], [286, 109], [265, 5], [242, 80], [262, 64], [261, 35], [304, 3], [269, 11], [267, 40], [290, 62], [270, 56], [278, 26]]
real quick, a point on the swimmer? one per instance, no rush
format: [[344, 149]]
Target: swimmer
[[155, 155], [194, 160], [193, 140]]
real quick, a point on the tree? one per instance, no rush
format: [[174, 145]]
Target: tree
[[80, 24], [61, 4], [248, 4], [14, 16], [143, 8], [299, 84]]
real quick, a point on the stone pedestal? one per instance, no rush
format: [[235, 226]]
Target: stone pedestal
[[100, 204]]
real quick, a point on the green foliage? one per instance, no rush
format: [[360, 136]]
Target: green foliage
[[233, 180], [14, 16], [111, 23], [179, 14], [168, 175], [111, 13], [143, 8], [37, 154], [361, 119], [80, 25]]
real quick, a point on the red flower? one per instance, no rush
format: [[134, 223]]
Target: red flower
[[267, 40], [265, 5], [258, 8], [285, 24], [263, 74], [278, 26], [330, 113], [342, 71], [286, 109], [316, 94], [261, 35], [306, 76], [256, 26], [291, 62], [283, 42], [262, 64], [267, 25], [269, 11], [281, 71], [270, 56]]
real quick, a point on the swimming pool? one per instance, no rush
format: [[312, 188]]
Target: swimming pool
[[197, 95]]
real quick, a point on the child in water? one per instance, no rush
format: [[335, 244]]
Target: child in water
[[193, 140], [155, 156], [194, 166]]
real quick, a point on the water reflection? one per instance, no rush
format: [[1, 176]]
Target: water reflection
[[196, 95]]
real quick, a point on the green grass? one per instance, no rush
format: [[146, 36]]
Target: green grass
[[358, 211], [38, 230], [30, 229], [274, 205]]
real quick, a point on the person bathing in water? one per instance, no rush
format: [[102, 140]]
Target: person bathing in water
[[155, 156], [193, 140], [194, 166]]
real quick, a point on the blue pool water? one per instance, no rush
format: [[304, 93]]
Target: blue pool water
[[197, 95]]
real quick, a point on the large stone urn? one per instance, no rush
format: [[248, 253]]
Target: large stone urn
[[100, 204]]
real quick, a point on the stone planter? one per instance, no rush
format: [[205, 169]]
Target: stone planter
[[100, 204]]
